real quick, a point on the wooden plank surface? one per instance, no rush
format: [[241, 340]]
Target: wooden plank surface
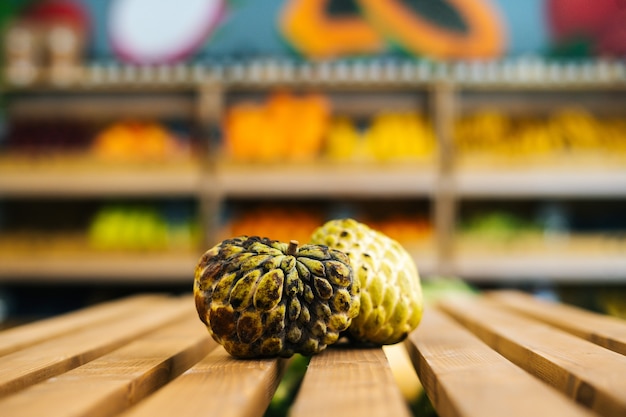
[[592, 375], [150, 356], [113, 382], [606, 331], [30, 334], [53, 357], [217, 386], [349, 382], [464, 377]]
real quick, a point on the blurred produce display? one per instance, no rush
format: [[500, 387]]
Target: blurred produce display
[[284, 127], [287, 127], [144, 227], [134, 141], [549, 228], [499, 225], [118, 142], [274, 220], [570, 131], [404, 228], [65, 227], [389, 137], [297, 221]]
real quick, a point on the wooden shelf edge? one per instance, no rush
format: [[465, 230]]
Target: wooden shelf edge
[[100, 181], [150, 268], [514, 73], [540, 183], [308, 180], [327, 180], [529, 268]]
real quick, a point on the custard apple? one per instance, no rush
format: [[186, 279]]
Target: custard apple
[[391, 293], [262, 298]]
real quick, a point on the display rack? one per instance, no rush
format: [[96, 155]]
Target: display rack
[[200, 93]]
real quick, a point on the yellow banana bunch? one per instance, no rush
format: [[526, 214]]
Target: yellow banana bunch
[[393, 136], [343, 140], [579, 130], [390, 136], [481, 130], [568, 130]]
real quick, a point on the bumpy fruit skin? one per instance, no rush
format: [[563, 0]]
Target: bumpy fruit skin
[[264, 298], [391, 293]]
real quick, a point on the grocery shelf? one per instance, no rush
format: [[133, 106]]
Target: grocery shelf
[[580, 183], [514, 268], [85, 180], [533, 256], [355, 104], [102, 106], [539, 102], [330, 180], [358, 88], [99, 267], [523, 72]]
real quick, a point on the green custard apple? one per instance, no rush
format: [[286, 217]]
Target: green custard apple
[[391, 293], [263, 298]]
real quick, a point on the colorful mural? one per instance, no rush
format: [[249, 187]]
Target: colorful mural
[[594, 27], [327, 29], [435, 29]]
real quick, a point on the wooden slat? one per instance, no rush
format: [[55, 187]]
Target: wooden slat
[[98, 267], [113, 382], [592, 375], [219, 385], [102, 107], [53, 357], [326, 180], [39, 331], [464, 377], [81, 182], [606, 331], [349, 382]]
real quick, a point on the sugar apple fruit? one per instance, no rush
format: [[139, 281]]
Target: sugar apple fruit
[[262, 298], [391, 294]]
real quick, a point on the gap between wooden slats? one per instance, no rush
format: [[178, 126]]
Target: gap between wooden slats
[[349, 382], [592, 375], [606, 331], [53, 357], [463, 377], [20, 337], [219, 385], [113, 382]]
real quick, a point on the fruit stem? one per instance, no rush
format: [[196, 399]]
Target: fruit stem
[[293, 247]]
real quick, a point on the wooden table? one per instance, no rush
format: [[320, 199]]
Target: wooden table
[[497, 354]]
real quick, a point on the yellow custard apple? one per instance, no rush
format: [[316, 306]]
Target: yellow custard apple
[[262, 298], [391, 293]]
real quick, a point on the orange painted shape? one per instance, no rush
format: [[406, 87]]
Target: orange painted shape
[[485, 37], [317, 35]]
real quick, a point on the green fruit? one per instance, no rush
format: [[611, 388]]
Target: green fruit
[[391, 294], [260, 297]]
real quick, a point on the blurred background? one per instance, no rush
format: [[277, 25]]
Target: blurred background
[[488, 137]]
